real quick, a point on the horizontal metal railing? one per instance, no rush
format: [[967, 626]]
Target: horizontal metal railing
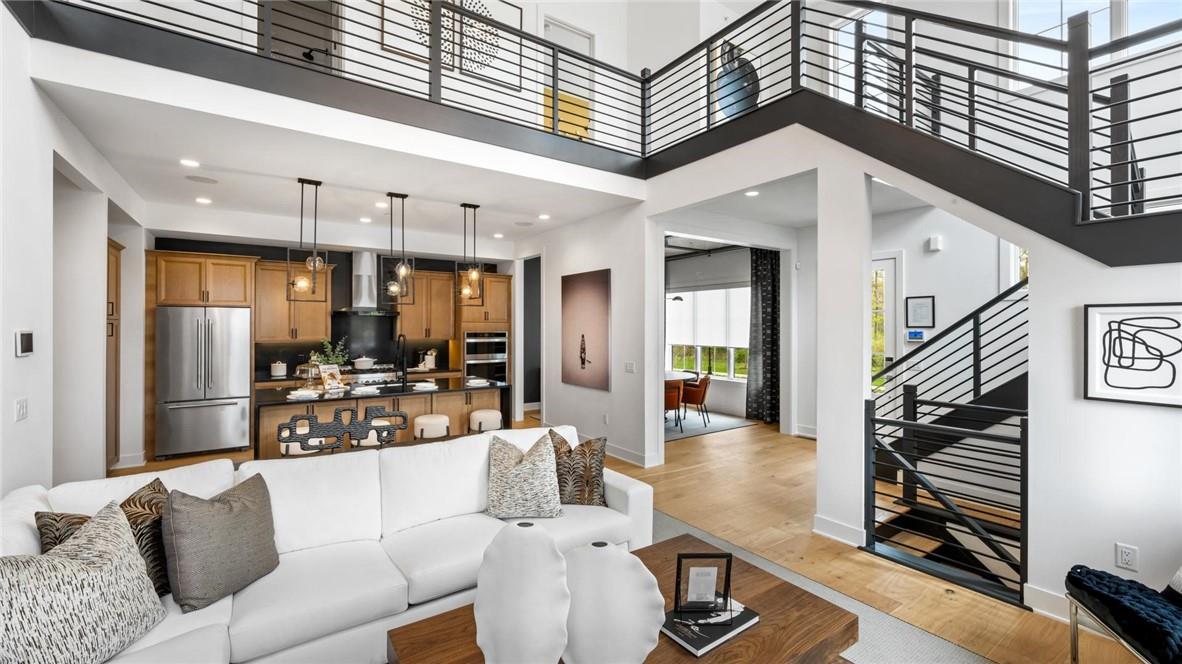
[[1102, 121]]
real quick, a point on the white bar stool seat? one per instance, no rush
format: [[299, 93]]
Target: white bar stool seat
[[485, 419], [427, 427]]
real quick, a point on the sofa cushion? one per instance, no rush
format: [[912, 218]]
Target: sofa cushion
[[202, 480], [423, 483], [522, 483], [18, 525], [525, 438], [1138, 613], [315, 592], [322, 500], [178, 623], [206, 645], [580, 470], [441, 557], [583, 524]]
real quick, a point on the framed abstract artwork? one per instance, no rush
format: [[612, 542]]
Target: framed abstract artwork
[[1133, 353], [920, 311], [586, 323]]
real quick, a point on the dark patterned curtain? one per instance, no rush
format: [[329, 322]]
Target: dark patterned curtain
[[763, 371]]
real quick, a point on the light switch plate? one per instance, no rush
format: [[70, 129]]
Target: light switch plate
[[22, 409], [629, 367]]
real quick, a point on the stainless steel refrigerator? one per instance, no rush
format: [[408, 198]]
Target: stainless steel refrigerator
[[203, 377]]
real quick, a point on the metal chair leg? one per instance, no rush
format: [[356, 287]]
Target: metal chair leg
[[1074, 632]]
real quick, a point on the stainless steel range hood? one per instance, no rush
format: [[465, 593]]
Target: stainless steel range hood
[[365, 281]]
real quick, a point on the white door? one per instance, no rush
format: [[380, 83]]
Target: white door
[[883, 331]]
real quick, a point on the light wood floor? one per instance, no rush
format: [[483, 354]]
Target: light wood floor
[[755, 487]]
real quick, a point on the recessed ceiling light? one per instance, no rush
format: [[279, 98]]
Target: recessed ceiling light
[[190, 163], [498, 235], [544, 217], [200, 179], [365, 220], [751, 194], [201, 200], [381, 204]]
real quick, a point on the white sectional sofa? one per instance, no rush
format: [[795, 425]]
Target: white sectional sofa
[[367, 541]]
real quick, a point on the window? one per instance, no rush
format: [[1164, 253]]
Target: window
[[877, 324], [707, 331], [1049, 19]]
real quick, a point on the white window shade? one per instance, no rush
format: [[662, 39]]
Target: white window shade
[[679, 320], [739, 317], [711, 318]]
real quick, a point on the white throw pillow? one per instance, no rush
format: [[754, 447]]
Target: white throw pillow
[[522, 485], [84, 601]]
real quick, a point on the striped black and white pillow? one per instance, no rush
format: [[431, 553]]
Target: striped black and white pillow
[[522, 485], [84, 601]]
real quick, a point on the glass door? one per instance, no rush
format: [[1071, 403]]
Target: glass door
[[883, 330]]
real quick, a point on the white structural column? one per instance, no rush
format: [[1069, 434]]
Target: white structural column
[[843, 347]]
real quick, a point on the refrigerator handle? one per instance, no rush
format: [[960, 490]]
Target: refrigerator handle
[[200, 360], [209, 352]]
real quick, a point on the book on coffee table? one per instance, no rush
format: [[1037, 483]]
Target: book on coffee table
[[701, 633]]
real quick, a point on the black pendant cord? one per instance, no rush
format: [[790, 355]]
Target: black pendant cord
[[315, 228], [403, 201], [391, 206], [474, 237]]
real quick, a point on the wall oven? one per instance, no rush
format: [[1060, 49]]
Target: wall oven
[[486, 355]]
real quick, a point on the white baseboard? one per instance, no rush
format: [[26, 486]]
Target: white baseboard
[[627, 455], [1046, 602], [535, 405], [130, 460], [836, 530], [806, 431]]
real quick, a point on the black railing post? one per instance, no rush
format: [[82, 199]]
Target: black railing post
[[435, 55], [868, 473], [709, 86], [937, 99], [972, 87], [906, 442], [268, 27], [1079, 103], [1120, 172], [646, 88], [859, 64], [554, 89], [1023, 496], [797, 30], [909, 73], [976, 356]]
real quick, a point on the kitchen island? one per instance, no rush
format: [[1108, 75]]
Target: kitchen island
[[451, 396]]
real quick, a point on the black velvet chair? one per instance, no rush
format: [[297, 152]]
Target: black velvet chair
[[1147, 622]]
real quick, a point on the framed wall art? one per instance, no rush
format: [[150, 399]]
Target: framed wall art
[[1133, 353], [586, 324], [920, 311]]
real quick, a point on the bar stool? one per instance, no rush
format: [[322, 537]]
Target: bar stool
[[485, 419], [427, 427]]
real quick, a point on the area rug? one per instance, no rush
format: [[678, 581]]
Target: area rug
[[695, 427], [882, 639]]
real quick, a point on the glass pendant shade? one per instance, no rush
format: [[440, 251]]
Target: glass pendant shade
[[314, 263], [397, 269], [307, 280], [469, 293]]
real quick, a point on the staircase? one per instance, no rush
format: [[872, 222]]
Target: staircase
[[946, 449]]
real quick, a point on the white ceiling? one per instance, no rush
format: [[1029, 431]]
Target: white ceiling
[[256, 167], [793, 201]]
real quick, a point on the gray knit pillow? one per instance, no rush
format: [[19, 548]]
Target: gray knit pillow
[[84, 601], [522, 484]]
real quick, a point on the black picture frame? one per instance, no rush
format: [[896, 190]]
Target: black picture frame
[[907, 322], [725, 560], [1088, 355]]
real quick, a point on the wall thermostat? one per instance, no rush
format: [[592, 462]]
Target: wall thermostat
[[24, 343], [915, 336]]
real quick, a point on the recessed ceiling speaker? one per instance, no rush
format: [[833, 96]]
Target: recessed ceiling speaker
[[201, 179]]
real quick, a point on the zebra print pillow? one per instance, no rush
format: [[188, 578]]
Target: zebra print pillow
[[142, 508], [522, 484], [580, 470], [84, 601]]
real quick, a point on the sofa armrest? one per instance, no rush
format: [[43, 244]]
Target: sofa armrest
[[635, 499]]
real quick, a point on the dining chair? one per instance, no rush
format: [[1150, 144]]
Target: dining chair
[[695, 395], [673, 391]]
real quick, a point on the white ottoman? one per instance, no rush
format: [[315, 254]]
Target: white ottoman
[[427, 427], [485, 419]]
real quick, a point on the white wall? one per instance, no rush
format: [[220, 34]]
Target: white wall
[[725, 269], [133, 263], [79, 316], [804, 353]]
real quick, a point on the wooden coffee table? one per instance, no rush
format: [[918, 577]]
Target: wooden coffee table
[[794, 625]]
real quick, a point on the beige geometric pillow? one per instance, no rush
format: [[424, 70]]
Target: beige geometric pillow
[[522, 485]]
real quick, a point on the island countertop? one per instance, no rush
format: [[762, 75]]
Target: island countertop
[[277, 396]]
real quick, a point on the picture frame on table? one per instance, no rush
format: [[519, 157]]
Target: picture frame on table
[[1133, 353], [703, 584], [920, 311]]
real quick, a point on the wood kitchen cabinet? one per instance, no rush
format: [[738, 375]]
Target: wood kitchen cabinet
[[432, 316], [497, 306], [277, 319], [200, 280], [413, 405], [458, 406]]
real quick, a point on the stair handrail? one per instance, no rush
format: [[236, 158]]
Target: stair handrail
[[967, 318]]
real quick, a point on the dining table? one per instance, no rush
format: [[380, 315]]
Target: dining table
[[680, 375]]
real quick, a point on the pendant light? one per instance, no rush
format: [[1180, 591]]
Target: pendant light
[[312, 286], [399, 279], [468, 277]]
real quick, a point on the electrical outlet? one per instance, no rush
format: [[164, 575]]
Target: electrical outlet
[[22, 409], [605, 419], [1126, 556]]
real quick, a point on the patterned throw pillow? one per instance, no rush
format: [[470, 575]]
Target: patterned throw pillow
[[82, 602], [142, 508], [580, 470], [522, 484]]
